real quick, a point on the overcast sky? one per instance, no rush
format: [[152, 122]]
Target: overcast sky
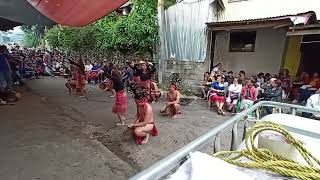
[[16, 30]]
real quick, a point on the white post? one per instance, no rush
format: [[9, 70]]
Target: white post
[[162, 49]]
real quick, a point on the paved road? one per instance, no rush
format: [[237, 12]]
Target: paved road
[[52, 135]]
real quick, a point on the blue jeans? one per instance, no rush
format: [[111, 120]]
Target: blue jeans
[[5, 80]]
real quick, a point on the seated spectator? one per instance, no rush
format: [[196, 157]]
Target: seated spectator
[[88, 66], [147, 70], [306, 78], [248, 95], [217, 70], [229, 78], [92, 75], [242, 77], [315, 80], [217, 94], [285, 80], [307, 90], [172, 106], [260, 79], [303, 79], [233, 94], [205, 84], [273, 94], [127, 75], [267, 77], [313, 102]]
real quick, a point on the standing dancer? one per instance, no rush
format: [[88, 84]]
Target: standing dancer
[[144, 124], [72, 81], [121, 104], [80, 77]]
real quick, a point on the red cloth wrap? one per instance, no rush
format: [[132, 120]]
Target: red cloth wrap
[[154, 131], [136, 78], [80, 81], [121, 103], [216, 98], [92, 76]]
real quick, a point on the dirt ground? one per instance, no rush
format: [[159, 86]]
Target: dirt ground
[[52, 135]]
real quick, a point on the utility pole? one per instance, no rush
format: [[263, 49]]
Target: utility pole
[[162, 49]]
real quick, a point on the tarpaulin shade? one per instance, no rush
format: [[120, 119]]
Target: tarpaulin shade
[[76, 12], [17, 12]]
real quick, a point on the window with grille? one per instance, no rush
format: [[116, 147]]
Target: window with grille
[[242, 41]]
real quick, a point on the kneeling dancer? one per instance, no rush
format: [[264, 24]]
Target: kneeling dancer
[[144, 124], [172, 106]]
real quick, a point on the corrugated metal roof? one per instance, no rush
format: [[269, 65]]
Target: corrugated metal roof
[[260, 9], [267, 19]]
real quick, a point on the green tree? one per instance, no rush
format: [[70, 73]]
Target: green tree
[[52, 37], [137, 31], [33, 35]]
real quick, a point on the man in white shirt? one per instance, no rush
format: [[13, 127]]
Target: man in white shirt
[[314, 102], [88, 67]]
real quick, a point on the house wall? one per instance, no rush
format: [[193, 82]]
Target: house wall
[[267, 56], [186, 41], [191, 73], [254, 9], [292, 55]]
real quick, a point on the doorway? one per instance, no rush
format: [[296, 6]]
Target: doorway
[[310, 54]]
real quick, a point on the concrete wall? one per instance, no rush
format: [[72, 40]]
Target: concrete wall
[[267, 57], [190, 72]]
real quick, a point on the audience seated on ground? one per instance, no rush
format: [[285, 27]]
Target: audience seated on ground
[[172, 106], [217, 94]]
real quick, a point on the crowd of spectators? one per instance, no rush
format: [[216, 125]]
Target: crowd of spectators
[[236, 93]]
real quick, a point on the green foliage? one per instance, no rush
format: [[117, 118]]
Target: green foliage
[[31, 40], [33, 35], [52, 37], [168, 3], [138, 31]]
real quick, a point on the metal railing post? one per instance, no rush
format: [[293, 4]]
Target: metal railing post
[[234, 138], [245, 127], [293, 111], [258, 113], [174, 160], [217, 143]]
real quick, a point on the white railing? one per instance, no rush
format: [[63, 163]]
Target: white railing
[[164, 166]]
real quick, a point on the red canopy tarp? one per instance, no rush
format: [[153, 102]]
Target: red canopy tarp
[[76, 12]]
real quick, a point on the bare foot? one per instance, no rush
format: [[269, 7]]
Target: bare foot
[[112, 96], [121, 124], [146, 139], [175, 116]]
